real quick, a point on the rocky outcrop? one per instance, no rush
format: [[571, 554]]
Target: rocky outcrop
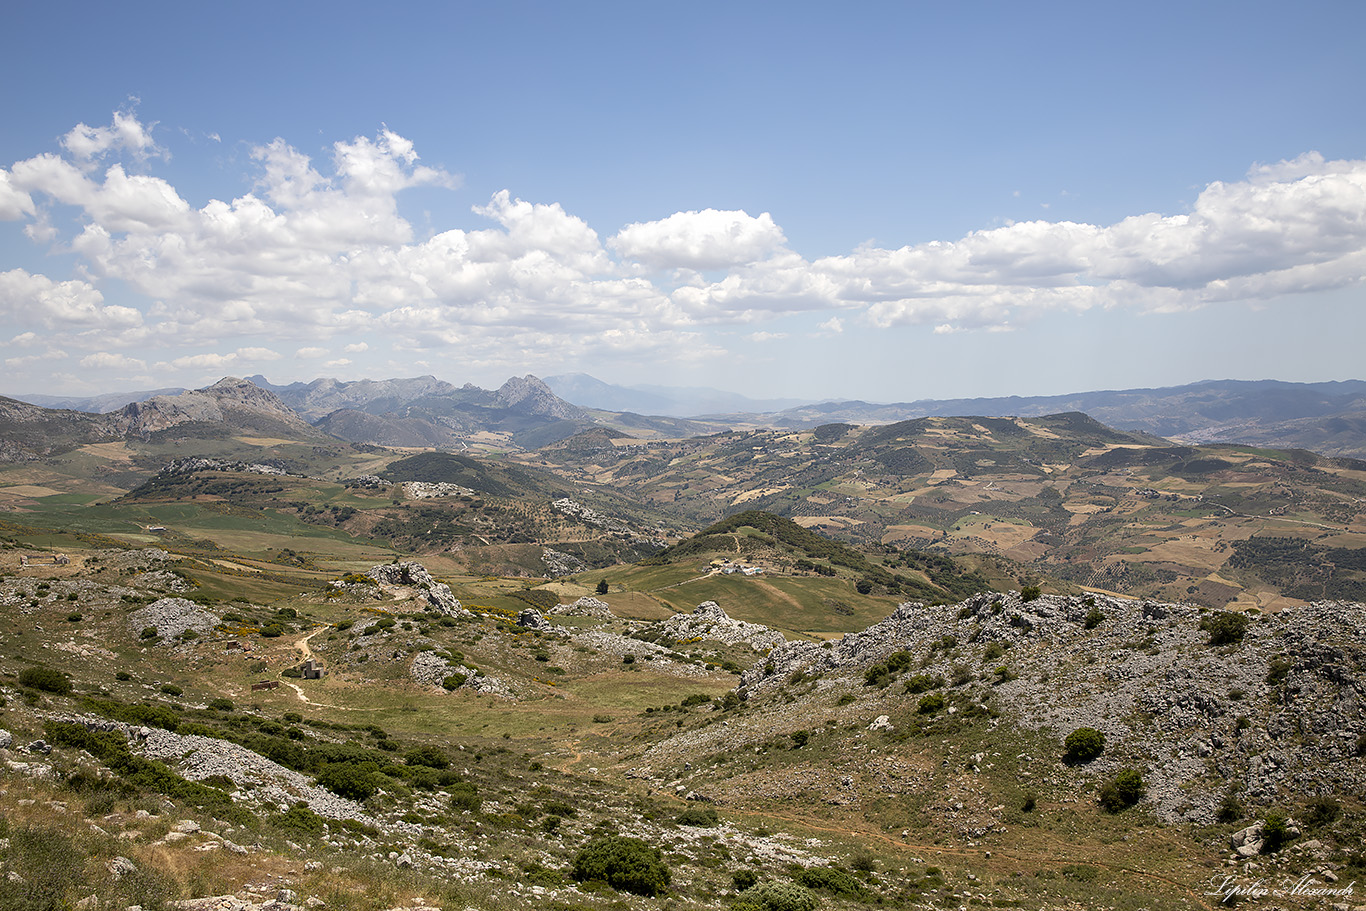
[[232, 401], [709, 621], [1278, 714], [171, 617], [431, 669], [412, 580], [586, 607], [531, 618], [561, 564]]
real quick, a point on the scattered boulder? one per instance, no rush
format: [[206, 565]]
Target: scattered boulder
[[120, 867], [881, 723], [531, 619], [1251, 841]]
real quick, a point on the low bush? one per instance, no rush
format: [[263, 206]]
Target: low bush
[[427, 755], [1122, 791], [625, 864], [1083, 745], [777, 897], [833, 880], [1224, 627], [355, 781], [465, 796], [1275, 833], [700, 817], [47, 679], [923, 683]]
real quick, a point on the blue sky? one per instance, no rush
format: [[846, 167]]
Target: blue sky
[[885, 201]]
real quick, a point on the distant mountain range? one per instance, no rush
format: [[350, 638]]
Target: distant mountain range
[[526, 412], [1328, 418], [671, 401]]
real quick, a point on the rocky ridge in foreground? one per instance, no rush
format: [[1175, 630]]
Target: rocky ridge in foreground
[[1198, 705]]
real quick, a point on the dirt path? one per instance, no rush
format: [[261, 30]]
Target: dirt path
[[302, 644]]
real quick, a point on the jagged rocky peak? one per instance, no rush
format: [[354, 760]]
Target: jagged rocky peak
[[530, 395], [231, 398]]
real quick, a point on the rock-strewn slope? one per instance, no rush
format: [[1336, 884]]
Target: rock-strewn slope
[[1278, 714], [171, 617]]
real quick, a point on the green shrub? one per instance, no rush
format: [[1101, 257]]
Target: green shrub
[[1278, 670], [356, 781], [1030, 593], [1230, 809], [993, 651], [301, 819], [123, 675], [46, 679], [700, 817], [1122, 791], [863, 861], [454, 681], [1083, 745], [221, 704], [799, 739], [465, 796], [170, 689], [744, 879], [1225, 627], [148, 632], [427, 755], [272, 630], [833, 880], [777, 897], [1275, 833], [1094, 618], [930, 703], [923, 683], [625, 864]]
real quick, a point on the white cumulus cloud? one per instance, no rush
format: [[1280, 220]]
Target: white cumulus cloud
[[125, 133], [309, 256], [116, 361], [705, 240]]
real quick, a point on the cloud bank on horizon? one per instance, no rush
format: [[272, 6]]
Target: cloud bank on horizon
[[313, 264]]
